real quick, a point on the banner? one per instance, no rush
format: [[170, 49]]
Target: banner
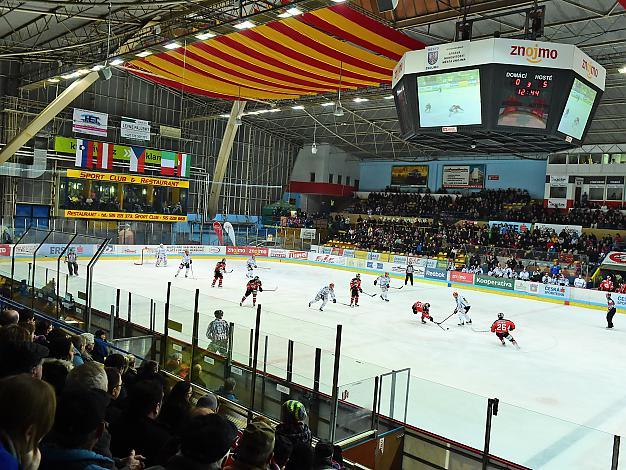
[[409, 175], [558, 228], [463, 176], [230, 231], [125, 178], [278, 253], [5, 250], [378, 265], [55, 249], [355, 263], [308, 233], [133, 216], [458, 276], [218, 231], [497, 282], [246, 251], [434, 273], [550, 290], [559, 181], [90, 122], [327, 259], [298, 254], [136, 129], [400, 259], [515, 226], [348, 253]]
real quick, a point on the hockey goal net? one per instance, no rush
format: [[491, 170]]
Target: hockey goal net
[[148, 256]]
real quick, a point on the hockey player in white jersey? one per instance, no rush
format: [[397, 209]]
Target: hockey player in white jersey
[[462, 307], [185, 263], [161, 255], [251, 266], [383, 282], [324, 294]]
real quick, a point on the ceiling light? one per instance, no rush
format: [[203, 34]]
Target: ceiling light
[[622, 70], [117, 61], [275, 110], [224, 115], [338, 112], [360, 100], [205, 35], [245, 25], [173, 45], [290, 12], [327, 103], [95, 68], [299, 106], [390, 97], [145, 53], [339, 1], [69, 75], [53, 80]]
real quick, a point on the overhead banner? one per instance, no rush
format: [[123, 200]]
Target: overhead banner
[[463, 176], [126, 178], [90, 122], [133, 216], [409, 175], [136, 129]]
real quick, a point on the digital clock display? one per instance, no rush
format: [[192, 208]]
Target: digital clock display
[[525, 98]]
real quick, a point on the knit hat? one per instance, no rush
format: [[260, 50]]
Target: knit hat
[[89, 338], [295, 409], [256, 444], [207, 439]]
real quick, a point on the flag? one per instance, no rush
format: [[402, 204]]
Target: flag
[[104, 155], [84, 153], [184, 165], [168, 163], [219, 232], [137, 159]]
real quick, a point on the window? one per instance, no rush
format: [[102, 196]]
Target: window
[[614, 194], [338, 179], [596, 194], [330, 177], [347, 181], [557, 159], [558, 192], [312, 177]]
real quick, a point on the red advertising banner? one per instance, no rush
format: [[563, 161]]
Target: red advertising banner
[[219, 232], [246, 251], [298, 254], [458, 276], [5, 250]]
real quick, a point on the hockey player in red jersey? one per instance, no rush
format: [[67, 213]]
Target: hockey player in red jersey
[[220, 268], [424, 309], [252, 287], [355, 288], [502, 328]]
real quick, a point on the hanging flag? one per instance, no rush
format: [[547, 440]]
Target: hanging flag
[[137, 159], [84, 153], [184, 165], [104, 152], [168, 163]]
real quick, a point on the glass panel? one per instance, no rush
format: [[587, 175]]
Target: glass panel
[[354, 411]]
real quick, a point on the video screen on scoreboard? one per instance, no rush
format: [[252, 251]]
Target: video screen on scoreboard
[[402, 107], [449, 99], [577, 110], [526, 98]]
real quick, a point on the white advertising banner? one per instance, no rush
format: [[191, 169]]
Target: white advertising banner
[[559, 181], [136, 129], [557, 203], [327, 259], [549, 290], [463, 176], [90, 122], [308, 233], [558, 228]]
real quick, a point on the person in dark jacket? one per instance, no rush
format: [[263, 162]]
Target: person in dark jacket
[[100, 348], [292, 425], [176, 407]]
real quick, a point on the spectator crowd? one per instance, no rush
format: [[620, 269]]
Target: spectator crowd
[[67, 402]]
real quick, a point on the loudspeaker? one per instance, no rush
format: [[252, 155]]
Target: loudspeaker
[[105, 73]]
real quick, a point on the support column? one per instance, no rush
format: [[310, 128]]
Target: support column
[[224, 155], [50, 112]]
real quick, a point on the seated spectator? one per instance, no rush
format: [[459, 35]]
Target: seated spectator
[[89, 345], [90, 375], [206, 404], [130, 376], [323, 455], [197, 378], [61, 347], [114, 382], [149, 370], [174, 365], [228, 389], [255, 448], [23, 357], [27, 320], [9, 316], [79, 343], [176, 407], [55, 373], [27, 408], [100, 349], [292, 425], [138, 428], [16, 333], [301, 457], [282, 452], [42, 329]]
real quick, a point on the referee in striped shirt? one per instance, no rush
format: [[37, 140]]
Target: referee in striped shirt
[[217, 333]]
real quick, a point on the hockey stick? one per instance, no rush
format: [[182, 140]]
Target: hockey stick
[[442, 321], [229, 271], [480, 331], [271, 290], [444, 329], [260, 267], [371, 295], [398, 288]]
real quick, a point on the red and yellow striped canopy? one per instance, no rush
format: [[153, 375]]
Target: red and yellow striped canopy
[[313, 53]]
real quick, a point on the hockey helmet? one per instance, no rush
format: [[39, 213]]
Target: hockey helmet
[[358, 275], [186, 252], [223, 260], [331, 285], [387, 274], [256, 278], [426, 305], [218, 313], [161, 245], [608, 295], [500, 316], [455, 294]]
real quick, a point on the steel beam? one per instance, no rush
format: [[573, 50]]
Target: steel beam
[[223, 156], [50, 112]]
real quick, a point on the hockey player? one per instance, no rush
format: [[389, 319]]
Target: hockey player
[[580, 282], [355, 288], [610, 310], [462, 307], [251, 266], [220, 269], [252, 287], [324, 294], [502, 327], [423, 309], [161, 255], [72, 264], [383, 282], [185, 263]]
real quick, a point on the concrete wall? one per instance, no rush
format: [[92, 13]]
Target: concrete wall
[[328, 160]]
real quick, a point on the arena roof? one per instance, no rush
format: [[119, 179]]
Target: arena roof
[[55, 36]]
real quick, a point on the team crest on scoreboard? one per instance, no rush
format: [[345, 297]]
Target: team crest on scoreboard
[[433, 57]]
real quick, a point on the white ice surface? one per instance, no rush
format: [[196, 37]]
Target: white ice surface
[[568, 370]]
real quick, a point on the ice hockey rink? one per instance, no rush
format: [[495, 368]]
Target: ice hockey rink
[[567, 371]]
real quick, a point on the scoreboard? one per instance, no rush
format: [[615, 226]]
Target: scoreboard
[[512, 87]]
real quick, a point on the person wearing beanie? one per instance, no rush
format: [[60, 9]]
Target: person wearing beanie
[[292, 425], [256, 447]]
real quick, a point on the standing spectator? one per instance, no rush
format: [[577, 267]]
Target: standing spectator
[[255, 448], [176, 407], [217, 332], [292, 425], [555, 269], [228, 389], [26, 415], [100, 349], [409, 273], [72, 262]]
